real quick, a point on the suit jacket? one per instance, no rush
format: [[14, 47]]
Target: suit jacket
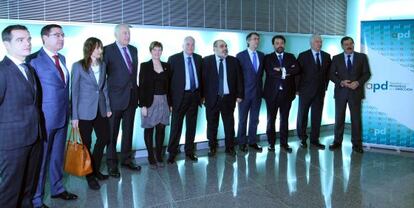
[[253, 82], [20, 107], [274, 77], [55, 93], [311, 80], [360, 72], [211, 79], [120, 81], [146, 83], [87, 94], [177, 88]]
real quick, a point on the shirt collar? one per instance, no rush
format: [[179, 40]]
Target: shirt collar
[[119, 45], [15, 60], [250, 51], [48, 52], [277, 54], [218, 58], [315, 52], [346, 55], [186, 56]]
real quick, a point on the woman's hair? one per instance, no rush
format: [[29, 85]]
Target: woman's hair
[[155, 44], [88, 47]]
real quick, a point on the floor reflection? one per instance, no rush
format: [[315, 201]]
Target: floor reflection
[[304, 178]]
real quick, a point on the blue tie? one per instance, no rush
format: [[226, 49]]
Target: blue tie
[[280, 60], [191, 73], [318, 61], [349, 64], [221, 79], [255, 61]]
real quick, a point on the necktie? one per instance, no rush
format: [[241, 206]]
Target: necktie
[[280, 58], [191, 74], [57, 63], [318, 61], [221, 78], [128, 59], [349, 64], [28, 74], [255, 61]]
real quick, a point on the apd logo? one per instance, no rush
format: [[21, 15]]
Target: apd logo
[[402, 35], [377, 86]]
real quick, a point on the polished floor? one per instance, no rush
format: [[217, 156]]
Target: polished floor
[[305, 178]]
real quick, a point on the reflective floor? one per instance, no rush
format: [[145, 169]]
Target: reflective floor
[[304, 178]]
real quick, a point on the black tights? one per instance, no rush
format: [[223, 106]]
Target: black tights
[[159, 141]]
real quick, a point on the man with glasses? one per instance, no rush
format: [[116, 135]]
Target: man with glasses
[[54, 79]]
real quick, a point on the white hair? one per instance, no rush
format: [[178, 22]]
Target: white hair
[[119, 26], [313, 37]]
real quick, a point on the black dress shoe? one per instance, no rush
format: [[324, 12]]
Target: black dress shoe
[[93, 184], [230, 151], [43, 206], [212, 152], [192, 157], [303, 144], [114, 172], [271, 148], [256, 147], [286, 148], [131, 166], [101, 176], [318, 145], [335, 146], [65, 196], [171, 159], [357, 149], [243, 148]]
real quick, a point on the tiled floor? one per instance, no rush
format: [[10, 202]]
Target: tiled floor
[[304, 178]]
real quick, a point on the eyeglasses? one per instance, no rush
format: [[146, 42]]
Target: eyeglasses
[[58, 35]]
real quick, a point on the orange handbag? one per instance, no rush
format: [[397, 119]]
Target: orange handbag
[[77, 158]]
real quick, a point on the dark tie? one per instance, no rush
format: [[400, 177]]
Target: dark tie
[[57, 63], [28, 74], [191, 74], [318, 61], [280, 58], [221, 78], [255, 61], [128, 59], [349, 64]]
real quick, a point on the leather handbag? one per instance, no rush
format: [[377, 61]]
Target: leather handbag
[[77, 158]]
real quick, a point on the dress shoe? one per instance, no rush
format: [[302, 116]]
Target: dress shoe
[[171, 159], [101, 176], [335, 146], [243, 148], [230, 151], [43, 206], [131, 166], [286, 148], [212, 152], [357, 149], [93, 184], [303, 144], [114, 172], [318, 145], [65, 196], [271, 148], [192, 157], [256, 147]]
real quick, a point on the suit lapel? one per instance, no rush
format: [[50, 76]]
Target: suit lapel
[[50, 65], [121, 57], [101, 76], [92, 77], [20, 76]]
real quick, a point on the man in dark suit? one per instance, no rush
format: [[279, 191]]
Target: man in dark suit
[[20, 110], [222, 88], [349, 71], [251, 62], [279, 91], [312, 83], [185, 92], [53, 74], [121, 63]]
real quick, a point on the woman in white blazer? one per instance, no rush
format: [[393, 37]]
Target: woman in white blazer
[[90, 104]]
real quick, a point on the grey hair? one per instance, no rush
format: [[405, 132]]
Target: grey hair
[[189, 38], [119, 26], [313, 37]]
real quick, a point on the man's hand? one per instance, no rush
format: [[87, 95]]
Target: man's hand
[[353, 85], [75, 124], [108, 114], [144, 111], [238, 100], [345, 83]]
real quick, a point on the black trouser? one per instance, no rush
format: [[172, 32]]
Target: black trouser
[[19, 172], [159, 141], [314, 103], [101, 126], [225, 106], [127, 117], [356, 123], [187, 108], [283, 105]]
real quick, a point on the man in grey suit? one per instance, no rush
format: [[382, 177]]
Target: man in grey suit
[[349, 71], [121, 61], [20, 146]]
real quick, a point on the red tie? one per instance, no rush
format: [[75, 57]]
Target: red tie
[[57, 63]]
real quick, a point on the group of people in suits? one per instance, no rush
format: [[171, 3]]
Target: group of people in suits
[[106, 90]]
